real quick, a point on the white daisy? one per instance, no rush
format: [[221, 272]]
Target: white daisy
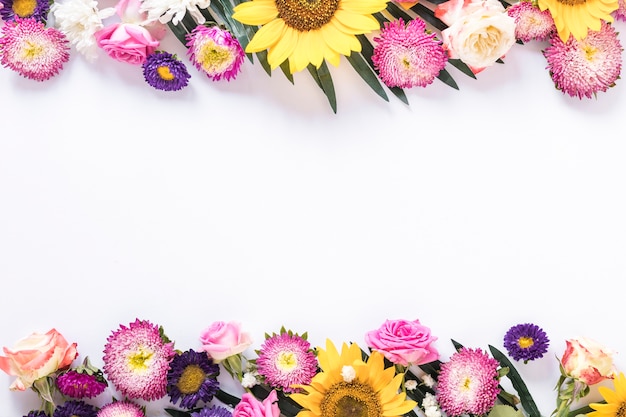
[[174, 10]]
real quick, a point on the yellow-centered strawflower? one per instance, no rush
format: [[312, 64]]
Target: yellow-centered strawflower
[[349, 387], [308, 31], [577, 17], [615, 400]]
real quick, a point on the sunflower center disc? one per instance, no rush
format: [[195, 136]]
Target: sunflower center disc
[[351, 400], [305, 15]]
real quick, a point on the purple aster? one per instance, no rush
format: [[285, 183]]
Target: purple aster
[[408, 56], [121, 409], [213, 411], [581, 68], [36, 413], [530, 22], [37, 9], [215, 52], [192, 378], [32, 50], [165, 71], [468, 383], [526, 342], [286, 359], [136, 360], [75, 409]]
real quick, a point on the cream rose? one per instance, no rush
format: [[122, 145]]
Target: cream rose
[[479, 32], [587, 360], [37, 356]]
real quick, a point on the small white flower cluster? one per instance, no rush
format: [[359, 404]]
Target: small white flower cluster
[[430, 406], [249, 379], [348, 373]]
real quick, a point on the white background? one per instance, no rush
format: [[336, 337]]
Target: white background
[[471, 210]]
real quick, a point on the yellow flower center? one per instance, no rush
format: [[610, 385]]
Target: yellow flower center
[[213, 58], [30, 50], [24, 8], [286, 361], [572, 2], [467, 383], [590, 52], [621, 410], [525, 342], [350, 400], [139, 360], [305, 15], [191, 379], [164, 72]]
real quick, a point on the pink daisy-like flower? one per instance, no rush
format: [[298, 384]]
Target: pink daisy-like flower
[[582, 68], [407, 56], [530, 22], [286, 359], [136, 360], [121, 409], [620, 12], [215, 51], [468, 383], [32, 50]]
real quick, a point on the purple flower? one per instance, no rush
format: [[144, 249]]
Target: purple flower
[[215, 52], [84, 381], [75, 409], [165, 71], [526, 342], [213, 411], [192, 378], [37, 9], [36, 413]]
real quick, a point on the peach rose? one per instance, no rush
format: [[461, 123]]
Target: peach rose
[[37, 356], [588, 361], [221, 340]]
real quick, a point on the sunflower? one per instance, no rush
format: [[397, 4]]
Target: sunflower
[[308, 31], [349, 387], [577, 17], [615, 400]]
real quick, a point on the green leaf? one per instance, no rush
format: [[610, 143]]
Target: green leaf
[[462, 66], [369, 76], [285, 68], [179, 31], [518, 383], [227, 398], [325, 82], [428, 16], [504, 411], [177, 413], [446, 78], [398, 13]]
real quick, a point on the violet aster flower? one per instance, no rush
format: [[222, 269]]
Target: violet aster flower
[[36, 9], [121, 409], [32, 50], [530, 22], [136, 360], [165, 71], [36, 413], [468, 383], [213, 411], [74, 408], [192, 378], [526, 342], [215, 52], [408, 56], [582, 68], [286, 359]]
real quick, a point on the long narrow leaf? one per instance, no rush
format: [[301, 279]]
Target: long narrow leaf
[[397, 12], [446, 78], [369, 76], [179, 31], [325, 82], [462, 66], [428, 16]]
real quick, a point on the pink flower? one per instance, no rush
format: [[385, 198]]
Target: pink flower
[[127, 42], [403, 342], [249, 406], [37, 356], [221, 340], [587, 361]]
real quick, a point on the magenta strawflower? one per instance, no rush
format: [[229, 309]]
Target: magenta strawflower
[[530, 22], [582, 68], [286, 359], [136, 360], [468, 383], [408, 56], [215, 52], [32, 50], [121, 409]]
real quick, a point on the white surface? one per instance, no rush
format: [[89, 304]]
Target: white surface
[[472, 210]]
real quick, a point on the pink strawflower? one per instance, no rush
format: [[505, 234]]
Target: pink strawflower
[[121, 409], [583, 67], [406, 55], [468, 383], [80, 385], [136, 360], [620, 12], [32, 50], [286, 359], [215, 52], [530, 22]]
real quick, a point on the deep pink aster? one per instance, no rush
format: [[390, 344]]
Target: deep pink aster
[[530, 22], [406, 55], [32, 50], [80, 385], [620, 12], [136, 360], [582, 68], [215, 51], [121, 409], [468, 383], [286, 359]]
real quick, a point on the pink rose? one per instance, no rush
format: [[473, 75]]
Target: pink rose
[[403, 342], [37, 356], [587, 361], [127, 42], [249, 406], [221, 340]]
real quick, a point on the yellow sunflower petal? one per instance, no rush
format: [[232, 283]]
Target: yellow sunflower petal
[[364, 23], [363, 7], [255, 12], [340, 42], [267, 36], [329, 358], [284, 48]]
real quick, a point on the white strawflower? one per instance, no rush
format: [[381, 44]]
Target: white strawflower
[[348, 373], [174, 10], [248, 380], [79, 20]]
